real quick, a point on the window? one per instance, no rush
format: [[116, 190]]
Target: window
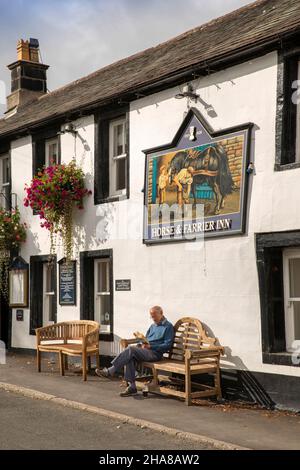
[[291, 153], [278, 264], [45, 148], [296, 102], [288, 111], [43, 292], [51, 152], [49, 289], [111, 155], [102, 313], [117, 157], [5, 196], [96, 290], [291, 270]]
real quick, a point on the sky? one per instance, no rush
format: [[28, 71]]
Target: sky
[[77, 37]]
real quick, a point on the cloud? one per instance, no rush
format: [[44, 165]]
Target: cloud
[[80, 36]]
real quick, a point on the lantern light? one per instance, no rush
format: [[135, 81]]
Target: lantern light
[[187, 92], [18, 283]]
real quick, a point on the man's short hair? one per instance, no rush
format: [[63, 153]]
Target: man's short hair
[[158, 309]]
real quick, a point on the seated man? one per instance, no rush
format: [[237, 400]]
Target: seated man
[[160, 337]]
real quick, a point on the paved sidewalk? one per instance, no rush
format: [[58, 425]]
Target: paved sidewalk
[[250, 428]]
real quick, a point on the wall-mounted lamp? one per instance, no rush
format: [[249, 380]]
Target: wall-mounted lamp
[[18, 283], [187, 92], [68, 129]]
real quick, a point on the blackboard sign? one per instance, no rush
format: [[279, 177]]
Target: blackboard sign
[[123, 284], [67, 283]]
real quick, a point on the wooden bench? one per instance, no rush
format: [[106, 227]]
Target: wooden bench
[[74, 338], [193, 353]]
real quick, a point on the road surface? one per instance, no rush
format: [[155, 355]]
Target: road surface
[[27, 423]]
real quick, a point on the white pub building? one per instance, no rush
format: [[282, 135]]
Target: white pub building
[[207, 124]]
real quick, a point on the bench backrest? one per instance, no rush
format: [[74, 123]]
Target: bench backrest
[[189, 334], [76, 330], [65, 331]]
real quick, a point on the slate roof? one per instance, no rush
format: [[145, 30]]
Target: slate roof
[[261, 22]]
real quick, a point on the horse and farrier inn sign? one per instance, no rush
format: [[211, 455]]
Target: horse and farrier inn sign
[[196, 186]]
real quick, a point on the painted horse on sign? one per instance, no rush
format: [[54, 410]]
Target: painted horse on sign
[[210, 166]]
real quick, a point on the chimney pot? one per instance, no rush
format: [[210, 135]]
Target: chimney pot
[[34, 50], [23, 50]]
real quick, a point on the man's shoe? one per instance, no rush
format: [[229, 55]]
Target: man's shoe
[[129, 392], [102, 372]]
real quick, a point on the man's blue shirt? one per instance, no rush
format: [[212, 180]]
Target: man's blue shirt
[[160, 336]]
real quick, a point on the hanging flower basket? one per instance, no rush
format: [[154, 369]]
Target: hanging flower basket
[[53, 194], [12, 234]]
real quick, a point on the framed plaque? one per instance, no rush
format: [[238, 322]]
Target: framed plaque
[[123, 284]]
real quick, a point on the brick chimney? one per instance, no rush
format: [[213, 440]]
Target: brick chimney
[[28, 76]]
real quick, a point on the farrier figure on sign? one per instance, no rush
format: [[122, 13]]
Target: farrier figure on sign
[[184, 181], [202, 165]]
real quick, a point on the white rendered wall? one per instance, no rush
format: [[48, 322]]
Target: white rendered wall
[[217, 283]]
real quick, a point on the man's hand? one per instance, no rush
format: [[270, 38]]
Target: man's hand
[[146, 346], [179, 185]]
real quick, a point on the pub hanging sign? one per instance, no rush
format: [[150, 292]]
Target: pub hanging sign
[[196, 186]]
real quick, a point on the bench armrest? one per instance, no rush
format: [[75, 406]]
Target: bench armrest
[[212, 351], [221, 349], [91, 338], [40, 332], [43, 328]]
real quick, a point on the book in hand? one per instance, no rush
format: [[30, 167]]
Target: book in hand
[[140, 337]]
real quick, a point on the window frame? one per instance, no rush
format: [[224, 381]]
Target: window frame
[[287, 113], [36, 287], [107, 293], [268, 245], [87, 287], [39, 139], [288, 254], [48, 296], [5, 156], [49, 142], [103, 117], [113, 159]]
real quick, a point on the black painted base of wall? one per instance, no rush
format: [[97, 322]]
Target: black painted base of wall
[[267, 390], [29, 352], [284, 390]]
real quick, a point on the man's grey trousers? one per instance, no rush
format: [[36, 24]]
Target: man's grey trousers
[[132, 355]]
